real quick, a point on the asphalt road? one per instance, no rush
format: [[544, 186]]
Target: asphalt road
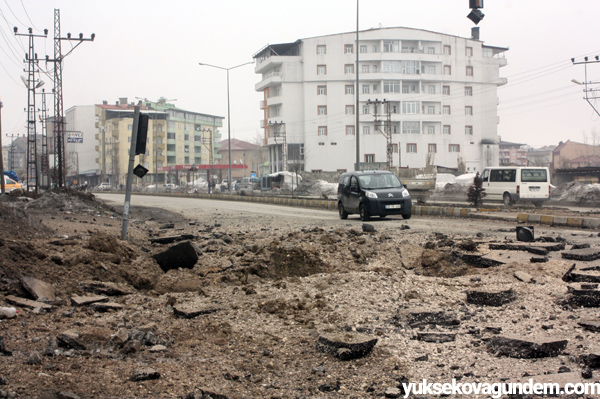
[[244, 214]]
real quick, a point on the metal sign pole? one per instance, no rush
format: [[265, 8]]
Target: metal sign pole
[[134, 131]]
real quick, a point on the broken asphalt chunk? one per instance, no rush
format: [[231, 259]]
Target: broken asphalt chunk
[[435, 337], [171, 239], [590, 325], [524, 277], [583, 298], [183, 255], [70, 340], [483, 298], [27, 303], [480, 261], [105, 288], [424, 318], [105, 306], [583, 254], [526, 348], [190, 311], [77, 300], [346, 345], [38, 288]]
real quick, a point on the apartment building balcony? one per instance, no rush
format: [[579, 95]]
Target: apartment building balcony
[[275, 100], [272, 62], [274, 78]]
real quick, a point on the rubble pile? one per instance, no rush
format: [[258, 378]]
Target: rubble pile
[[215, 308]]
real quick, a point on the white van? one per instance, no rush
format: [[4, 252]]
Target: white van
[[510, 184]]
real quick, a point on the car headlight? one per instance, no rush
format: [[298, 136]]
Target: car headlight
[[405, 193], [370, 194]]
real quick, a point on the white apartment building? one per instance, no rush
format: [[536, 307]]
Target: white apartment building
[[432, 97]]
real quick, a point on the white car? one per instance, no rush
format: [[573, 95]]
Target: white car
[[104, 186]]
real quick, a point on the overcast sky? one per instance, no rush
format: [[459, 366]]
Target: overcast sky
[[148, 49]]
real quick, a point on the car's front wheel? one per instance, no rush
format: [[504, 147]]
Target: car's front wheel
[[343, 213], [364, 213], [507, 199], [406, 215]]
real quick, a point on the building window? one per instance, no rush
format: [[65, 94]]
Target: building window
[[322, 130], [390, 46], [469, 130], [447, 129], [349, 109], [349, 68], [469, 71], [366, 129], [375, 48], [447, 50], [447, 70], [395, 129], [391, 86], [410, 107], [321, 49], [350, 130], [363, 48], [365, 68], [430, 50], [446, 110], [322, 110], [321, 90], [366, 89], [349, 89], [411, 147], [469, 51], [130, 127], [411, 127], [468, 91], [432, 148], [394, 148], [348, 48], [369, 158], [431, 110], [453, 148], [321, 69], [468, 110], [431, 89], [446, 90], [375, 88], [430, 129], [366, 110], [410, 88], [410, 67]]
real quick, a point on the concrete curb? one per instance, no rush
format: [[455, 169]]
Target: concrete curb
[[420, 210]]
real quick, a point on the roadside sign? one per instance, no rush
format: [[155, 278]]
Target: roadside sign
[[253, 175]]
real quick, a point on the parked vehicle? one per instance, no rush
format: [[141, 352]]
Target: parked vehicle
[[249, 183], [511, 184], [104, 186], [10, 184], [373, 193], [225, 185]]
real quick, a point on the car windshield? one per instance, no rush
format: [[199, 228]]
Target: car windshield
[[379, 181]]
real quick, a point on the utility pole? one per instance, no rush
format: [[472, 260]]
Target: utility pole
[[591, 93], [387, 131], [32, 84], [45, 167], [59, 128]]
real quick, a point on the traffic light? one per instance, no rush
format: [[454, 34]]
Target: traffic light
[[142, 134]]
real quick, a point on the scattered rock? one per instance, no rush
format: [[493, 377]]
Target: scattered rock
[[183, 255], [105, 288], [38, 289], [77, 300], [191, 310], [172, 239], [145, 375], [583, 254], [368, 228], [524, 277], [27, 303], [417, 319]]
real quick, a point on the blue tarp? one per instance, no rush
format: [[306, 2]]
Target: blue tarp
[[12, 175]]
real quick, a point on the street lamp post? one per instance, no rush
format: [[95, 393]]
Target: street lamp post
[[228, 118]]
